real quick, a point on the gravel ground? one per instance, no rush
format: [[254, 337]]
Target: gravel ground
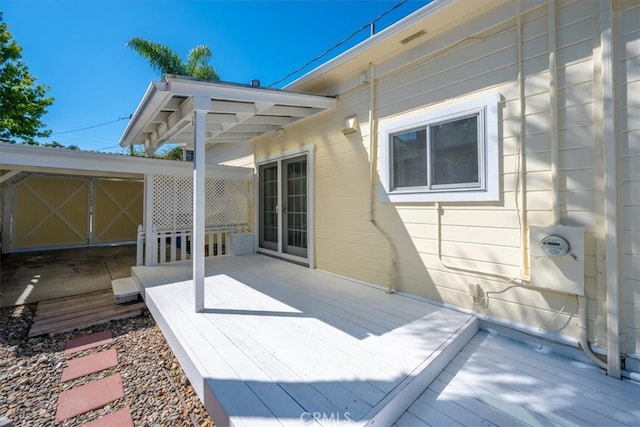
[[156, 389]]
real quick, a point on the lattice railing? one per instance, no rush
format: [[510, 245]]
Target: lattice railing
[[170, 246], [169, 236], [225, 206]]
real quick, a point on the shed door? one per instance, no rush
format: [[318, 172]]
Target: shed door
[[116, 210], [51, 211], [56, 211]]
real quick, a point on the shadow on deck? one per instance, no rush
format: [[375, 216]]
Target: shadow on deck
[[280, 344]]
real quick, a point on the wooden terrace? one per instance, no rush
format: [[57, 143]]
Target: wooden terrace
[[281, 344]]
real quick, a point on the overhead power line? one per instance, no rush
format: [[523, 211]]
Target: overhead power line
[[94, 126], [340, 43]]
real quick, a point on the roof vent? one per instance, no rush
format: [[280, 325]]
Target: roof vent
[[255, 83], [414, 36]]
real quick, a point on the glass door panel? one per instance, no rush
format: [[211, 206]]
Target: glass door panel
[[295, 207], [269, 206]]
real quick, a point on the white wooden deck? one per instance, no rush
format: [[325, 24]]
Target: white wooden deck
[[280, 344], [499, 381]]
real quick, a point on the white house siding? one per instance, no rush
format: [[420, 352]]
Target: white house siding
[[484, 236], [629, 35]]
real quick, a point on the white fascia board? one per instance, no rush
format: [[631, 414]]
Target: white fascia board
[[153, 99], [420, 16], [54, 160], [370, 42], [230, 92]]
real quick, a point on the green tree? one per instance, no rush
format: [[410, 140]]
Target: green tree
[[22, 101], [167, 61]]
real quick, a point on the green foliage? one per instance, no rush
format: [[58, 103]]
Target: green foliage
[[166, 61], [56, 144], [22, 101], [173, 154]]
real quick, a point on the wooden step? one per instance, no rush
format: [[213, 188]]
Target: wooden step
[[124, 290], [80, 312]]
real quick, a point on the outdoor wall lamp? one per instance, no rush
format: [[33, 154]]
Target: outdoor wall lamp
[[351, 125]]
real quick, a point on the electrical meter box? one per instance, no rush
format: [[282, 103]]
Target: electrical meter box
[[557, 258]]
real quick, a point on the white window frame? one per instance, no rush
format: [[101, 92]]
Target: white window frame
[[488, 188]]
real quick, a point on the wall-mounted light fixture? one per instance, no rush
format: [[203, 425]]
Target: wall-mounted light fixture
[[350, 125]]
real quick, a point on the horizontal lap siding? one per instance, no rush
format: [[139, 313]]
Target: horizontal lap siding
[[485, 236], [629, 36], [480, 236], [345, 242]]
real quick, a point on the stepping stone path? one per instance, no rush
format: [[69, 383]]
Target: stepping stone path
[[98, 393]]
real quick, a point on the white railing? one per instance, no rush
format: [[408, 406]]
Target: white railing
[[169, 246]]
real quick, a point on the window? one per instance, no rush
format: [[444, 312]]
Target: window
[[442, 154]]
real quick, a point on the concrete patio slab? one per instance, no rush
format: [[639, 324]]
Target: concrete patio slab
[[37, 276]]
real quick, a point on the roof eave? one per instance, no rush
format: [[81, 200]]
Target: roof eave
[[154, 97], [369, 43]]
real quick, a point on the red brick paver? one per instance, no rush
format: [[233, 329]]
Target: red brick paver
[[90, 364], [121, 418], [88, 341], [88, 397]]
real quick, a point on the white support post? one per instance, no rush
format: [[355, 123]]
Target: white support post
[[140, 245], [148, 218], [200, 106], [152, 240]]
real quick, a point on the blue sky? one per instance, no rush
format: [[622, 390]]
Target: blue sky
[[77, 48]]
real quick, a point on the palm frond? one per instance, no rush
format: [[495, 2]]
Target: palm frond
[[159, 56], [198, 55]]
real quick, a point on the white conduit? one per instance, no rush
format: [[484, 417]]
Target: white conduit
[[373, 152], [583, 335]]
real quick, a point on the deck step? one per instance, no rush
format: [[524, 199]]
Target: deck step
[[124, 290], [388, 411], [80, 312]]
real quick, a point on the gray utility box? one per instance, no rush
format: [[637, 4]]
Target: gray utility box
[[242, 243], [557, 258]]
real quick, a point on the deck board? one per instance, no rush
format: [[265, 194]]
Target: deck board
[[277, 341], [504, 382]]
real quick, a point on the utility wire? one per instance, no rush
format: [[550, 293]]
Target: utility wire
[[340, 43], [94, 126]]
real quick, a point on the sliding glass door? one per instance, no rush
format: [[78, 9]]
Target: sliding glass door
[[283, 206]]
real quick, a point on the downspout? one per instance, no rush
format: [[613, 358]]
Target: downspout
[[373, 153], [611, 217], [555, 159], [553, 110], [520, 188]]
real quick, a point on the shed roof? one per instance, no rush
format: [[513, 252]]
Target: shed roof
[[235, 113]]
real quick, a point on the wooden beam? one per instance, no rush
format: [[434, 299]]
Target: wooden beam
[[8, 176]]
